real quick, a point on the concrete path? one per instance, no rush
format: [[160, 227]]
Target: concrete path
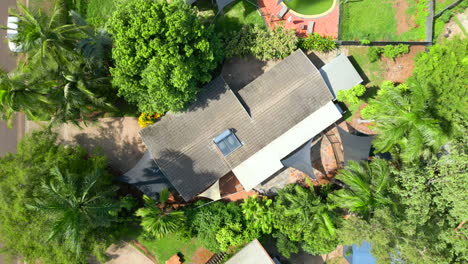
[[125, 253]]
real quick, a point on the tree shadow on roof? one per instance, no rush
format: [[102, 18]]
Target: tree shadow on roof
[[181, 172]]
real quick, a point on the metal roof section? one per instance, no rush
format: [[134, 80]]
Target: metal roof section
[[252, 253], [340, 74], [267, 161]]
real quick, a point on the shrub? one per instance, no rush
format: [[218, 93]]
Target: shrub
[[317, 43], [374, 53], [146, 119], [275, 44], [238, 43], [365, 42], [392, 52], [351, 95]]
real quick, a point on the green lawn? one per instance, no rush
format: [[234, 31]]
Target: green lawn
[[166, 247], [375, 20], [373, 70], [308, 7], [237, 14]]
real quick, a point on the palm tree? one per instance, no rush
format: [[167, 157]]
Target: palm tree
[[308, 209], [76, 206], [159, 220], [367, 187], [44, 36], [403, 120], [20, 92]]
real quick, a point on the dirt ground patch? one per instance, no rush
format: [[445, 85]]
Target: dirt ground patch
[[400, 69], [404, 22], [125, 253]]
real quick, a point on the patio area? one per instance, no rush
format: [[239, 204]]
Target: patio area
[[325, 24]]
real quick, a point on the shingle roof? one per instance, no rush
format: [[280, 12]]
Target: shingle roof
[[182, 144], [340, 74]]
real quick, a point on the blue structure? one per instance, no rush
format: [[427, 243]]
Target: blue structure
[[359, 254]]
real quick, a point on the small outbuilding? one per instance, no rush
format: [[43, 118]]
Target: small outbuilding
[[340, 74]]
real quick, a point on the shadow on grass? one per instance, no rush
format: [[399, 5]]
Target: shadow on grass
[[358, 68]]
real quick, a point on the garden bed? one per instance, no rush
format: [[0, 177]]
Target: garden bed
[[383, 20]]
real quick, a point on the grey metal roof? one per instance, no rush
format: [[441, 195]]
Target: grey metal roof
[[182, 144], [252, 253], [340, 74]]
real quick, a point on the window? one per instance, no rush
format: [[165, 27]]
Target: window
[[227, 142]]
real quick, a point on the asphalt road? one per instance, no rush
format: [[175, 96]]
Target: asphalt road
[[8, 136]]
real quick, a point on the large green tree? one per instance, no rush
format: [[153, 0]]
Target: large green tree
[[367, 186], [163, 53], [24, 231], [440, 77], [428, 226], [404, 123], [76, 205], [306, 218]]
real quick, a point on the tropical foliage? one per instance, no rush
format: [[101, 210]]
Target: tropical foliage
[[227, 226], [367, 187], [163, 54], [64, 76], [427, 227], [316, 42], [306, 218], [273, 44], [258, 212], [76, 205], [404, 123], [160, 220], [26, 179], [351, 95]]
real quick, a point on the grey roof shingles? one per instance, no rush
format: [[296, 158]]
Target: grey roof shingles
[[182, 144]]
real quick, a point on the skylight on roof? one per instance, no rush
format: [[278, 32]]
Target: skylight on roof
[[227, 142]]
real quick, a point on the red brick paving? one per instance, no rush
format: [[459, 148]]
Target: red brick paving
[[201, 256], [231, 188], [325, 26]]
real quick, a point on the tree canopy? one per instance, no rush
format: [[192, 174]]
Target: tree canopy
[[23, 177], [163, 53]]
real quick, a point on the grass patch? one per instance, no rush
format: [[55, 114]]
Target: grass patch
[[238, 14], [165, 248], [368, 19], [375, 20], [441, 4], [307, 8], [372, 70]]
